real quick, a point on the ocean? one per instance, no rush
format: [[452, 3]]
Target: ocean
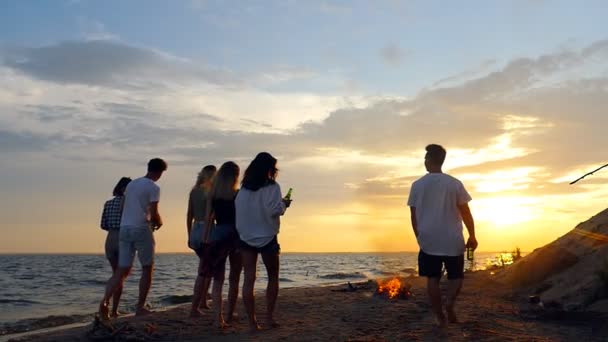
[[34, 287]]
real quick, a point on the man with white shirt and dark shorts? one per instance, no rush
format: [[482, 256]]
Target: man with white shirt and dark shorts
[[439, 204], [140, 217]]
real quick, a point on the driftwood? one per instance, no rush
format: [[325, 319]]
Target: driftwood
[[352, 288], [106, 331], [587, 174]]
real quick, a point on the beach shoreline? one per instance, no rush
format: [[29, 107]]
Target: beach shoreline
[[489, 311]]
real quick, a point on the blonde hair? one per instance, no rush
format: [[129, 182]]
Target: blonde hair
[[225, 182], [206, 174]]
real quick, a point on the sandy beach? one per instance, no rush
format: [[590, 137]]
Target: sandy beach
[[489, 311]]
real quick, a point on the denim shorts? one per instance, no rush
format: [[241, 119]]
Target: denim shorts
[[136, 239], [195, 239]]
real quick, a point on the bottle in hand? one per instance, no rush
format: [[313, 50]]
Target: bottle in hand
[[470, 254], [288, 196]]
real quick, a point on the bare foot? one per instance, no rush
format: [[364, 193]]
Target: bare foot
[[271, 323], [233, 318], [204, 306], [143, 312], [452, 318], [196, 313], [254, 327], [116, 314], [441, 322], [222, 325], [104, 312]]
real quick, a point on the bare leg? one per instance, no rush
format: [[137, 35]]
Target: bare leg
[[454, 286], [236, 266], [435, 297], [250, 260], [216, 295], [116, 295], [145, 282], [271, 261], [205, 293], [114, 283], [198, 295]]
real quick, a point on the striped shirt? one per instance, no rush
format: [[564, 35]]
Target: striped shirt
[[112, 211]]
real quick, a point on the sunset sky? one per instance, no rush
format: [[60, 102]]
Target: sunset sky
[[346, 94]]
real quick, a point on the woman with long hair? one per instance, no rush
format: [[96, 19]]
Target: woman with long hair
[[259, 204], [195, 225], [222, 240], [110, 221]]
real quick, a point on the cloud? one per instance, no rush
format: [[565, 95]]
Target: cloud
[[392, 55], [509, 118], [94, 30], [477, 71], [84, 104], [109, 63], [12, 142]]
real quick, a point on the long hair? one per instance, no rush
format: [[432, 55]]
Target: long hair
[[119, 189], [206, 174], [261, 172], [225, 182]]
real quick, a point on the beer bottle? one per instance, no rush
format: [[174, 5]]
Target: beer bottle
[[470, 255], [288, 196]]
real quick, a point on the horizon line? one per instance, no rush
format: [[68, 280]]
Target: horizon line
[[191, 252]]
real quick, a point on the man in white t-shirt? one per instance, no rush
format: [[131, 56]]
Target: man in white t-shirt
[[439, 204], [140, 217]]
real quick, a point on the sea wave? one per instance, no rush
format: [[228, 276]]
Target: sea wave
[[93, 282], [409, 270], [18, 301], [41, 323], [285, 280], [340, 275]]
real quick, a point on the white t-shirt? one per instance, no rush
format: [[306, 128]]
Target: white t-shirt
[[257, 214], [436, 197], [138, 196]]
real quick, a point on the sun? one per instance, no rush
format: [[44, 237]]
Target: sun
[[504, 211]]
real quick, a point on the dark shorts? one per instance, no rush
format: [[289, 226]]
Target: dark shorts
[[272, 247], [432, 265]]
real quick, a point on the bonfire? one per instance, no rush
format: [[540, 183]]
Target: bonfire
[[393, 288]]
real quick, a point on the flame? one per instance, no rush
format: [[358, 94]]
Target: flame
[[392, 287]]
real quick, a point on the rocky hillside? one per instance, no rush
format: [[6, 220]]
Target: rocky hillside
[[571, 272]]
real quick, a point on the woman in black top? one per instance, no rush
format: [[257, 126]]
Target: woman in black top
[[222, 240]]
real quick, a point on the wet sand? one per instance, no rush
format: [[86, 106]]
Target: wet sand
[[488, 311]]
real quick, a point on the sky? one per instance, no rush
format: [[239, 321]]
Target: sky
[[345, 94]]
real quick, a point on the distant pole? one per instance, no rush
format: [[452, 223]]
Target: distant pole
[[587, 174]]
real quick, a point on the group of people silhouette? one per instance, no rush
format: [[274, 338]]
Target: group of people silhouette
[[228, 223], [215, 205]]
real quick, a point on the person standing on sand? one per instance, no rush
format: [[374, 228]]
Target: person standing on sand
[[259, 205], [439, 204], [195, 225], [110, 221], [140, 217], [222, 240]]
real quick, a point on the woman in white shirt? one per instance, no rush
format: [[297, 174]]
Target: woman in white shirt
[[259, 204]]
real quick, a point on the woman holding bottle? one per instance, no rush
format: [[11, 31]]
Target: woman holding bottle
[[259, 205]]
